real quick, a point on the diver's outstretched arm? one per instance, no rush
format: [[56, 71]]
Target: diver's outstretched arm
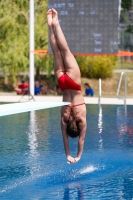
[[82, 127], [70, 159]]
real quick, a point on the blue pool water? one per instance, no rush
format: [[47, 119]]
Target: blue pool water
[[33, 164]]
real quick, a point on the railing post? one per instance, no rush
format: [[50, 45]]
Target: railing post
[[125, 88], [125, 92], [100, 91]]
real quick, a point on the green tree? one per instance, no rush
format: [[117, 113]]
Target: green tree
[[126, 17], [97, 66], [126, 4], [41, 38], [14, 36]]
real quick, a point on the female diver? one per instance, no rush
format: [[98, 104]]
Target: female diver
[[73, 117]]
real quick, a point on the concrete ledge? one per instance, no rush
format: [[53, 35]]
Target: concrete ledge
[[111, 101], [88, 100]]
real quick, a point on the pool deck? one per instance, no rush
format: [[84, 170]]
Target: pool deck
[[7, 97]]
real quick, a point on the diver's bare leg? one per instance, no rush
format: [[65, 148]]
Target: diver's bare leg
[[58, 62], [62, 43], [68, 58]]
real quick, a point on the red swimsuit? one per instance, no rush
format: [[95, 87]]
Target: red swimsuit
[[66, 83]]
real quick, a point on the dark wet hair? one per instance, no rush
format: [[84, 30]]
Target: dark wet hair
[[72, 126]]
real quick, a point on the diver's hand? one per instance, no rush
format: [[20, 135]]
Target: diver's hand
[[77, 159], [70, 159]]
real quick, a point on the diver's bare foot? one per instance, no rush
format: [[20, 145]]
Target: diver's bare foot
[[49, 17], [55, 17]]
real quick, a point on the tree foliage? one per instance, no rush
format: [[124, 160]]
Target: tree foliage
[[127, 18], [14, 36], [97, 66], [126, 4]]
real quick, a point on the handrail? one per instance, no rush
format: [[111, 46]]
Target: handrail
[[100, 92], [125, 87]]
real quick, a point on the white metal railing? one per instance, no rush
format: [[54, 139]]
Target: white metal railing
[[100, 92], [125, 87]]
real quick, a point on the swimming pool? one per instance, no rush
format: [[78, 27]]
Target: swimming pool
[[33, 164]]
